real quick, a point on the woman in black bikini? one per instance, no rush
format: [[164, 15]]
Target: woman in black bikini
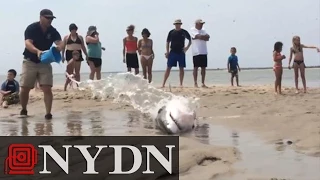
[[74, 42], [298, 61]]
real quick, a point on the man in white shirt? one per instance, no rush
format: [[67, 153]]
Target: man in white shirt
[[199, 51]]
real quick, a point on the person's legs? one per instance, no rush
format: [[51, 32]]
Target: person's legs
[[275, 81], [27, 81], [46, 82], [77, 68], [135, 61], [296, 76], [98, 64], [92, 69], [204, 64], [128, 62], [144, 62], [237, 78], [149, 67], [172, 62], [195, 70], [69, 70], [232, 77], [182, 64], [303, 77], [280, 80]]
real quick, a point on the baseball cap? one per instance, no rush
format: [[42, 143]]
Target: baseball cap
[[47, 13], [199, 21]]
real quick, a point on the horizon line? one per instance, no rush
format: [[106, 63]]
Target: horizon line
[[209, 69]]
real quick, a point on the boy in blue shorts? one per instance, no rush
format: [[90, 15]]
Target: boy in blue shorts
[[10, 90], [233, 65]]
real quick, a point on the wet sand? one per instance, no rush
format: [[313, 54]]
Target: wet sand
[[256, 126]]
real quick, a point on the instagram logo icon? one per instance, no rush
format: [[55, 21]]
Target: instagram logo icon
[[21, 159]]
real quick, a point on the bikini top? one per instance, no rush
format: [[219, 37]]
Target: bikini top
[[131, 45], [277, 55], [295, 50], [77, 41], [145, 45]]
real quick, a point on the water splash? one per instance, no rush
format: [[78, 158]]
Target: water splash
[[133, 89]]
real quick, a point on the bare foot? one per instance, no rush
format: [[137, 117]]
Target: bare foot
[[196, 85], [275, 93], [5, 104], [297, 92], [204, 86], [238, 85], [181, 86]]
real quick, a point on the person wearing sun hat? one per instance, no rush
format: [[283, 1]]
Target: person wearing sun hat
[[199, 51], [176, 50], [94, 52]]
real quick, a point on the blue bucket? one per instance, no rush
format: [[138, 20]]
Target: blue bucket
[[50, 56]]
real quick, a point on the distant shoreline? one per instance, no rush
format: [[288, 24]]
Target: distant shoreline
[[221, 69]]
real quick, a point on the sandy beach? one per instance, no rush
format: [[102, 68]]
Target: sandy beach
[[283, 120]]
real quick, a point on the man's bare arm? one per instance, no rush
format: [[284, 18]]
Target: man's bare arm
[[31, 47], [60, 45]]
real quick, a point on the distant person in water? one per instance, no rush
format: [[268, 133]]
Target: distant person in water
[[298, 61], [145, 47], [74, 42], [70, 68], [199, 51], [233, 66], [176, 50], [277, 67], [94, 52], [130, 48], [9, 93]]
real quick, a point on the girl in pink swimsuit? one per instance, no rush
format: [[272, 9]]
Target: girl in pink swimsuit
[[277, 67]]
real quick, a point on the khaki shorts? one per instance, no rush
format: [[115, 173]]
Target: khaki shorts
[[32, 72]]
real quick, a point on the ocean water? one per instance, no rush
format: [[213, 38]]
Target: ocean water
[[217, 77]]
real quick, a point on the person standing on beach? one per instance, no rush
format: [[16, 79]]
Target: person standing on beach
[[233, 66], [177, 52], [39, 36], [277, 67], [199, 51], [74, 42], [298, 61], [130, 47], [94, 52], [145, 48], [70, 66]]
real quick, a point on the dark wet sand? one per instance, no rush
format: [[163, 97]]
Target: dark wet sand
[[238, 143]]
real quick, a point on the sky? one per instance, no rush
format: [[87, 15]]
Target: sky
[[252, 26]]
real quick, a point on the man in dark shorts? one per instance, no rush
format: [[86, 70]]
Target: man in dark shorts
[[199, 51], [39, 36], [176, 38]]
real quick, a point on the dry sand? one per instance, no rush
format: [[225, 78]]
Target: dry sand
[[273, 117]]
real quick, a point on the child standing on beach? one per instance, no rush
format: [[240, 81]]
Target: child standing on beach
[[9, 90], [298, 61], [233, 65], [277, 67], [70, 68]]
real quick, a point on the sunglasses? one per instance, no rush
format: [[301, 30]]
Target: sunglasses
[[49, 18]]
